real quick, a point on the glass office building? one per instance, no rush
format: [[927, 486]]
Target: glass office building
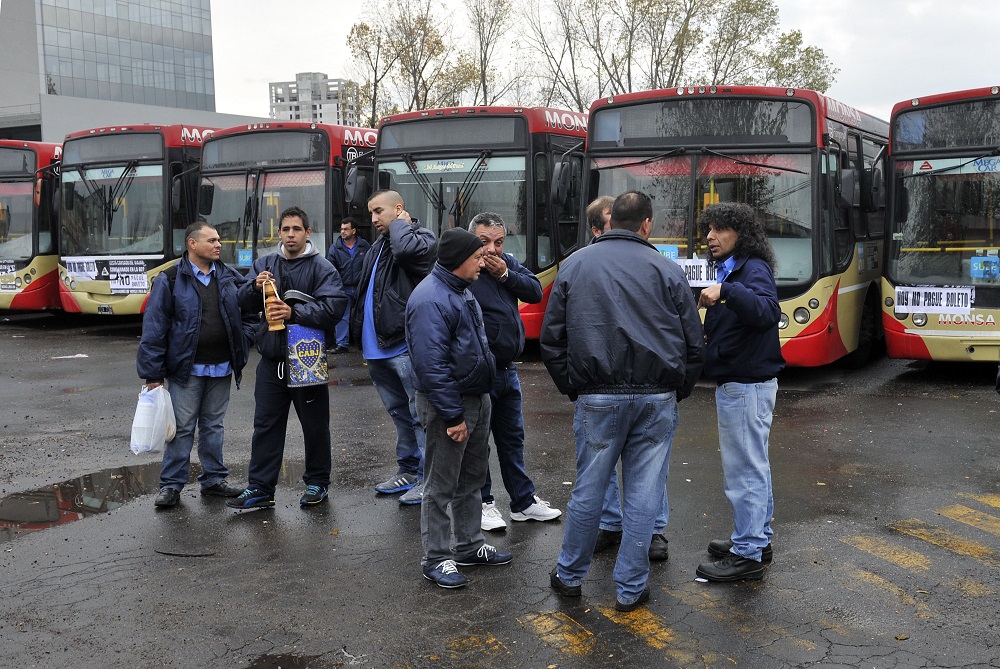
[[153, 52]]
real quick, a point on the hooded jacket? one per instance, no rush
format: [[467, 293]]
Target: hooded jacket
[[308, 272], [499, 302]]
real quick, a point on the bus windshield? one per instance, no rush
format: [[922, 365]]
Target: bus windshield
[[945, 232], [246, 208], [112, 210], [778, 186], [15, 220], [430, 191]]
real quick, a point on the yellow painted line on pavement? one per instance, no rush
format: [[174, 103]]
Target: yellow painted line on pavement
[[971, 588], [885, 550], [923, 611], [558, 630], [972, 518], [988, 500], [646, 625], [481, 643], [947, 540]]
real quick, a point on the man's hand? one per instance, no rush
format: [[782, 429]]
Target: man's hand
[[459, 433], [261, 278], [710, 295], [495, 265], [150, 385], [278, 310]]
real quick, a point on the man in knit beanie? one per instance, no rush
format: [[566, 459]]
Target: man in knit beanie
[[453, 373]]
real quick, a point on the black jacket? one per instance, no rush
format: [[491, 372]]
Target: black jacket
[[622, 319], [348, 266], [310, 273], [504, 327], [405, 256]]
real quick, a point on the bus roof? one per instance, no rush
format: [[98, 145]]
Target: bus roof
[[941, 98], [47, 152], [540, 119], [827, 107], [340, 135], [173, 135]]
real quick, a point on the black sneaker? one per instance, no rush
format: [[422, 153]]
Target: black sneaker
[[731, 568], [485, 555], [251, 498], [658, 549], [314, 494], [625, 608], [167, 497], [719, 548], [222, 489], [560, 586]]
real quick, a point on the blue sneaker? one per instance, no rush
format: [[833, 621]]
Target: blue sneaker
[[251, 498], [314, 494], [398, 483], [445, 574], [414, 495], [485, 555]]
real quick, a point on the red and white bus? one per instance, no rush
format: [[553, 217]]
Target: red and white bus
[[941, 291], [29, 179], [127, 194], [797, 157], [250, 173], [451, 164]]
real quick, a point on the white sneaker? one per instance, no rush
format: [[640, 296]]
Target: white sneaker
[[492, 520], [539, 510]]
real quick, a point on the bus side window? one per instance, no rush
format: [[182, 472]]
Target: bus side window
[[876, 219]]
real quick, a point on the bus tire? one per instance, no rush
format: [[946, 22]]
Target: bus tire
[[870, 335]]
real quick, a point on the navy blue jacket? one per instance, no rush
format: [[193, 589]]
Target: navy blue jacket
[[405, 256], [171, 324], [308, 272], [621, 319], [504, 327], [742, 327], [447, 341], [347, 265]]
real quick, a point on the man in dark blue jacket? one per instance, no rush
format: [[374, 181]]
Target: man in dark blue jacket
[[399, 259], [296, 265], [622, 338], [453, 372], [194, 336], [497, 291], [347, 254], [744, 358]]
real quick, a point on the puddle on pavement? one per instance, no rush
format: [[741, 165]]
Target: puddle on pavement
[[97, 493]]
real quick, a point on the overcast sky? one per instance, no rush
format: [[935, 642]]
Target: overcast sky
[[886, 50]]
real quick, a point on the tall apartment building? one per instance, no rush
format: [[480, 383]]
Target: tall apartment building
[[316, 98], [68, 65]]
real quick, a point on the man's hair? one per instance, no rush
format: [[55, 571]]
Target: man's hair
[[595, 211], [295, 211], [630, 209], [195, 228], [487, 218], [393, 198], [350, 221], [751, 240]]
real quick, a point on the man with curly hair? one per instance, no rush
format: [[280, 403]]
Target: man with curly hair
[[744, 357]]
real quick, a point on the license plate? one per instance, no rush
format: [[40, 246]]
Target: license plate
[[104, 309]]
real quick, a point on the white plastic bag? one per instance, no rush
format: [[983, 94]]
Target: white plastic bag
[[154, 422]]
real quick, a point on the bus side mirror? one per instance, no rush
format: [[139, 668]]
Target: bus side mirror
[[384, 180], [176, 186], [356, 188], [848, 188], [206, 196], [872, 198], [69, 195], [562, 177]]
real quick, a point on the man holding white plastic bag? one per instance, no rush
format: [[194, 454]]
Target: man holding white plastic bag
[[195, 338]]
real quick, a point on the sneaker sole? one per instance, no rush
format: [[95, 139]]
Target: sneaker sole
[[444, 585], [393, 491], [410, 502], [493, 528], [318, 501], [482, 564], [255, 505], [522, 518]]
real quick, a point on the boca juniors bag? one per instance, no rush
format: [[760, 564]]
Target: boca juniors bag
[[306, 357]]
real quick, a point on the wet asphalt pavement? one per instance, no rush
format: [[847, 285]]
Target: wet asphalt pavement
[[887, 534]]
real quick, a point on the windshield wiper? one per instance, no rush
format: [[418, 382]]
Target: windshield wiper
[[425, 185], [994, 152], [471, 182], [110, 199], [662, 156], [740, 161]]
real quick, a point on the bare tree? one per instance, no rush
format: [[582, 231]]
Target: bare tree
[[673, 33], [738, 27], [422, 40], [375, 56], [490, 21]]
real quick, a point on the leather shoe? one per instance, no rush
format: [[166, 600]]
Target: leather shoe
[[625, 608], [167, 497], [222, 489], [720, 548], [658, 549], [607, 539], [731, 568], [560, 587]]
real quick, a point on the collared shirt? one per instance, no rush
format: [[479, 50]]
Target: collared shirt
[[726, 267], [369, 340], [217, 370]]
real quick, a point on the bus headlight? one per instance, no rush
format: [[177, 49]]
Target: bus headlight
[[783, 321], [920, 320], [801, 315], [27, 279], [18, 283], [814, 303]]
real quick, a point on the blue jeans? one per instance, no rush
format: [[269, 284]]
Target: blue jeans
[[343, 329], [202, 403], [745, 411], [393, 379], [611, 513], [507, 426], [639, 430]]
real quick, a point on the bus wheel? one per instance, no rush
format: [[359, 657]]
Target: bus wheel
[[870, 335]]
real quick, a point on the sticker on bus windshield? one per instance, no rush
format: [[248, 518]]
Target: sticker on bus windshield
[[669, 250], [698, 272], [984, 267], [935, 300]]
